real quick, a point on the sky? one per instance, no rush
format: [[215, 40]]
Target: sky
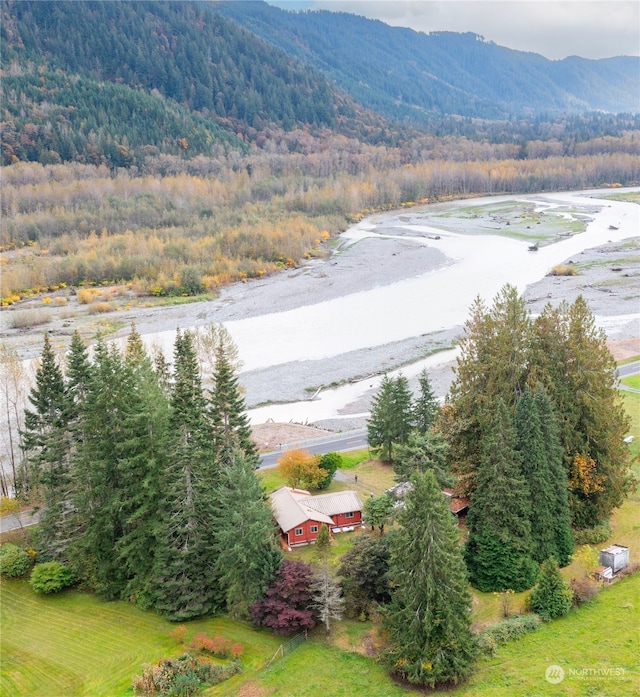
[[553, 28]]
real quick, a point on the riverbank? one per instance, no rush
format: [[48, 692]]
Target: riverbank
[[367, 266]]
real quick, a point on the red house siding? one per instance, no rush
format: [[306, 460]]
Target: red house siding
[[307, 535], [341, 519]]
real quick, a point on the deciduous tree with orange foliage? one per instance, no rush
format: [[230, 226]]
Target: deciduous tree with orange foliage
[[299, 468]]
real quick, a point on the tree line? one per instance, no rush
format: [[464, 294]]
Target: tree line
[[147, 480], [184, 232], [531, 432]]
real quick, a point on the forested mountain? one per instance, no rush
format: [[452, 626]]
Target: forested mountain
[[403, 73], [99, 81], [116, 83]]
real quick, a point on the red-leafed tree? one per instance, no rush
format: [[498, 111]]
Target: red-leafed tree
[[286, 605]]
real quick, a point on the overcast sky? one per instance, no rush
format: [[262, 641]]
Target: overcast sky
[[554, 28]]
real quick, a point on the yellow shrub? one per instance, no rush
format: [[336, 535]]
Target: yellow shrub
[[100, 308], [85, 296]]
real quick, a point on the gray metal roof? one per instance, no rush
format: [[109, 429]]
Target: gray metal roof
[[332, 504], [290, 511]]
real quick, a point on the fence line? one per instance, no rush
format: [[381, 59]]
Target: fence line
[[288, 647]]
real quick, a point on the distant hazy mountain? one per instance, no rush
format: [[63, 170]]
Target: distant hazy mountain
[[114, 82], [399, 72]]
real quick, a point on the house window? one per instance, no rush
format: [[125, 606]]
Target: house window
[[313, 528], [299, 532], [349, 515]]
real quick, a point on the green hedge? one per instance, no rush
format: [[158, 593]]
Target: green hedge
[[507, 630]]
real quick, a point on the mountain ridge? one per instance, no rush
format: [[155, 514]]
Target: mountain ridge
[[512, 82]]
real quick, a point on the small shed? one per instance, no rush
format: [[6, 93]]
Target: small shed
[[603, 573], [615, 556]]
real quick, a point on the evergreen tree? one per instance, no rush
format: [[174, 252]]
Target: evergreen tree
[[391, 417], [578, 373], [77, 374], [493, 364], [559, 492], [535, 469], [183, 579], [142, 458], [97, 489], [499, 549], [426, 406], [429, 617], [421, 452], [47, 468], [552, 597], [44, 425], [364, 573], [227, 410], [247, 552]]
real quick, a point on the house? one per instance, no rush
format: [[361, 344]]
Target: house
[[458, 505], [301, 515]]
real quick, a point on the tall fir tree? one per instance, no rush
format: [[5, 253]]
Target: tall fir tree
[[426, 406], [535, 469], [391, 418], [493, 364], [183, 581], [142, 458], [227, 410], [97, 490], [429, 617], [563, 536], [44, 424], [248, 555], [499, 547], [47, 449], [578, 372]]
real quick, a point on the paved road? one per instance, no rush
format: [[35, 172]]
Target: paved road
[[624, 371], [19, 520], [338, 442]]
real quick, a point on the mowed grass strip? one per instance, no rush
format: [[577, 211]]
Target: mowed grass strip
[[74, 644]]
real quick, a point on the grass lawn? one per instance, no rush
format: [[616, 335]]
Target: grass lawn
[[73, 644], [632, 381], [601, 635]]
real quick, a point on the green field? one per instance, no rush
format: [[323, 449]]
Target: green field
[[73, 644]]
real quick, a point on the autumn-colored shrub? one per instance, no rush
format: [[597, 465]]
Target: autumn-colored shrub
[[181, 676], [562, 270], [584, 590], [179, 634], [100, 308], [85, 296], [217, 646]]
